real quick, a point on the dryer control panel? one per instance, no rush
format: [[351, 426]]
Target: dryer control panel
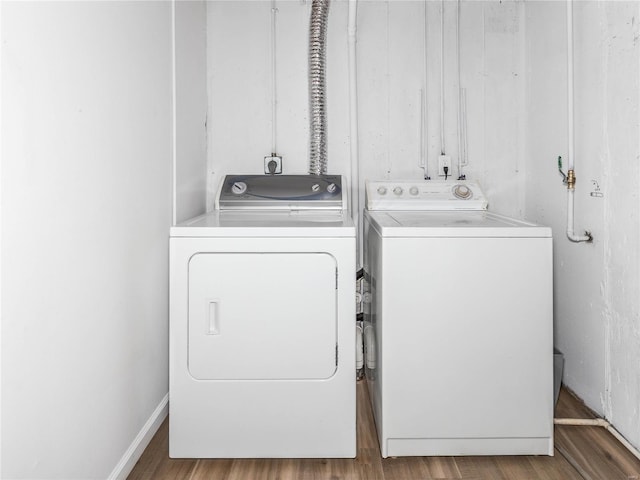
[[424, 195], [281, 192]]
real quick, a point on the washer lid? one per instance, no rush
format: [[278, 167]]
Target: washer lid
[[264, 223], [452, 224]]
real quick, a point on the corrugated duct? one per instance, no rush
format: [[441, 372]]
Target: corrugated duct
[[317, 81]]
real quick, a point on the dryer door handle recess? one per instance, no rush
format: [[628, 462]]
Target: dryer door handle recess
[[212, 326]]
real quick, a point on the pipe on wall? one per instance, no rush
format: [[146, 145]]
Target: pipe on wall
[[571, 179], [317, 87], [274, 84], [353, 124]]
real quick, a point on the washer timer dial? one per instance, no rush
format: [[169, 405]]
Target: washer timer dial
[[462, 192]]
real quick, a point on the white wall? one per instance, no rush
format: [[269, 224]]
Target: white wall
[[191, 109], [86, 206], [391, 74], [597, 286]]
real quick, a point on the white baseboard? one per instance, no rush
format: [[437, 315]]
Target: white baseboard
[[146, 433]]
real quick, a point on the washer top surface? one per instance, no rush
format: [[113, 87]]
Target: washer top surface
[[452, 224], [249, 223]]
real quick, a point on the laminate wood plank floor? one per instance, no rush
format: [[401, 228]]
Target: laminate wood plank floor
[[582, 453]]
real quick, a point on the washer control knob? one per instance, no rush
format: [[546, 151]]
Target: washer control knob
[[382, 190], [462, 192], [315, 187], [414, 190], [331, 187], [238, 188], [397, 190]]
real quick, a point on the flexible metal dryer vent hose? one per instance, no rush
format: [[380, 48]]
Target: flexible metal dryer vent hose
[[317, 81]]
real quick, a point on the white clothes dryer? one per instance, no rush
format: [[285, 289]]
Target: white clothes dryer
[[458, 328], [262, 327]]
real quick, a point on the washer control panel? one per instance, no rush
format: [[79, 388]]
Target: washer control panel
[[424, 195]]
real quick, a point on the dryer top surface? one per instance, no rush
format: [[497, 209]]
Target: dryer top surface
[[267, 224]]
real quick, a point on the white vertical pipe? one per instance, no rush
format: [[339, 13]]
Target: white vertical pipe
[[1, 214], [459, 89], [424, 127], [174, 125], [274, 91], [570, 107], [463, 127], [570, 129], [442, 146], [353, 151], [422, 134], [353, 125]]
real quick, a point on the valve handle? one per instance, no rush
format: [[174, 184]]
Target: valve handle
[[564, 176]]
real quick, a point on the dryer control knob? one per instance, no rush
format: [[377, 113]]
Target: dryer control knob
[[315, 187], [462, 192], [414, 190], [382, 190], [239, 188], [331, 187], [397, 190]]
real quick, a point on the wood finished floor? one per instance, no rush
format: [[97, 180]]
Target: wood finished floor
[[582, 453]]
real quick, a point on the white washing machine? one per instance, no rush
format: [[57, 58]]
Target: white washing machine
[[262, 327], [458, 331]]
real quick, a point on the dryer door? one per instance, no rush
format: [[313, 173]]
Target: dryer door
[[262, 316]]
